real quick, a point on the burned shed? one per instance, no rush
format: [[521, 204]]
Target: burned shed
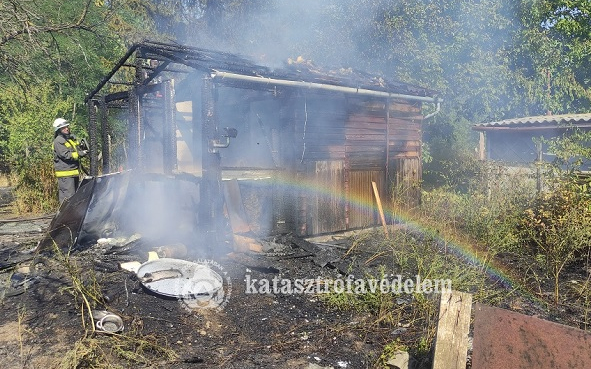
[[516, 142], [296, 149]]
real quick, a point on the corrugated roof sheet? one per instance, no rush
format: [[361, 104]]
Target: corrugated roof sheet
[[562, 120]]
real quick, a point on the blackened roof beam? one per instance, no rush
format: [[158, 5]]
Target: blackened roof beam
[[215, 62]]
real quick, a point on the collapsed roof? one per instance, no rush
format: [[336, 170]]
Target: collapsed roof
[[235, 70]]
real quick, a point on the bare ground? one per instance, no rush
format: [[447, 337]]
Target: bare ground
[[45, 323]]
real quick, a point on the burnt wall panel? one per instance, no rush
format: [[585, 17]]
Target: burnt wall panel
[[152, 148], [320, 133], [404, 136], [313, 136], [407, 176], [257, 119], [366, 135], [323, 208]]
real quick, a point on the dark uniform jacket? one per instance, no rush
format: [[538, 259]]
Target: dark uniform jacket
[[65, 156]]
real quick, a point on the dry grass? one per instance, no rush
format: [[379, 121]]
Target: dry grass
[[4, 180]]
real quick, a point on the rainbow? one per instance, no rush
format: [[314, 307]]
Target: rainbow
[[461, 249]]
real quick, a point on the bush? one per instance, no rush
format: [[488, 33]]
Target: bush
[[488, 212], [557, 228]]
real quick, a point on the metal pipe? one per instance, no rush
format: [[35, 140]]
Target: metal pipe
[[437, 109], [322, 86]]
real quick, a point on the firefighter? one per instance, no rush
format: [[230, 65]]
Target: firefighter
[[67, 153]]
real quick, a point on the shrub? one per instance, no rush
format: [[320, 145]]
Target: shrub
[[557, 228], [488, 212]]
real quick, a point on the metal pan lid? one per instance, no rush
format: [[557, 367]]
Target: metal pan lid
[[179, 278]]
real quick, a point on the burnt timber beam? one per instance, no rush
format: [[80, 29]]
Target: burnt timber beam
[[106, 79], [169, 129], [106, 142], [92, 121], [210, 188]]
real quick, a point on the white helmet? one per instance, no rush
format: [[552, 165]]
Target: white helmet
[[60, 123]]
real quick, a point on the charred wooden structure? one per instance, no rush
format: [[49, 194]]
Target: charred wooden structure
[[298, 147]]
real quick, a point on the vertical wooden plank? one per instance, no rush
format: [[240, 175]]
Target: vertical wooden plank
[[169, 140], [407, 190], [328, 203], [381, 210], [210, 211], [357, 214], [302, 219], [347, 192], [313, 202], [451, 342], [481, 146], [93, 111], [105, 135], [387, 106], [360, 197]]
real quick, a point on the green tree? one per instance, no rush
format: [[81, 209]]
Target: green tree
[[40, 40], [51, 54], [28, 149], [551, 56]]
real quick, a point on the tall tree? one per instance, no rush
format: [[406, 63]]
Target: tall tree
[[51, 53], [551, 57]]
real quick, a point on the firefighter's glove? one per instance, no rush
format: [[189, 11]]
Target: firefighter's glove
[[82, 153]]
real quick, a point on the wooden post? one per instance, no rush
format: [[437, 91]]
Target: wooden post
[[482, 147], [92, 136], [451, 342], [377, 194], [539, 161], [105, 135]]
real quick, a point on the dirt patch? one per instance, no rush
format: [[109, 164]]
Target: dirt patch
[[6, 200], [9, 332]]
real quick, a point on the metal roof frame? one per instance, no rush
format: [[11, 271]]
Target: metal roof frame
[[234, 68]]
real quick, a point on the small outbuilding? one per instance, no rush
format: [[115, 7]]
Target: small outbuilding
[[293, 149], [517, 141]]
